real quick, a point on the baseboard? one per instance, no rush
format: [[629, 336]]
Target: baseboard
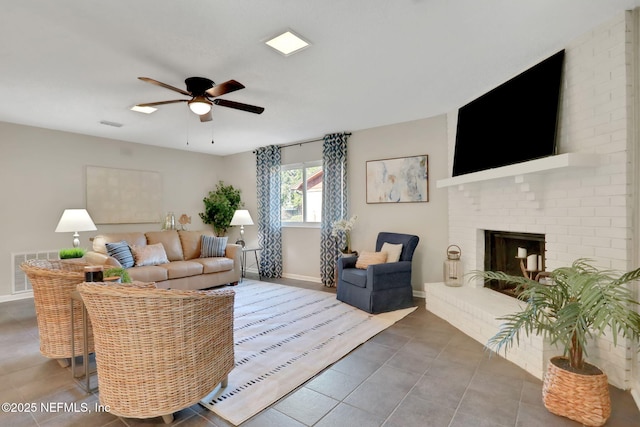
[[16, 297], [300, 277]]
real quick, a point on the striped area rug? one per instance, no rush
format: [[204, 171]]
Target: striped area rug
[[284, 336]]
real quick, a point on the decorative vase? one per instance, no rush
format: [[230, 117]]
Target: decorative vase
[[582, 398]]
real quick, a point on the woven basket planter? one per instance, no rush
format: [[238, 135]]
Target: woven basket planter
[[582, 398]]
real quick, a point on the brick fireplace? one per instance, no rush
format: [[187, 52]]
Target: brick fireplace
[[580, 202]]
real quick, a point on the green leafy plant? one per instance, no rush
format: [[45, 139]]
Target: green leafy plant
[[120, 272], [69, 253], [219, 207], [580, 303]]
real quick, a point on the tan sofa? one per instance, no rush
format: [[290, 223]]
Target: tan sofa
[[185, 270]]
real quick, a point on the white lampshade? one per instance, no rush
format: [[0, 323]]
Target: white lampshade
[[241, 217], [200, 105], [74, 220]]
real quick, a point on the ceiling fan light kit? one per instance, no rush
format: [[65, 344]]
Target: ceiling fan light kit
[[200, 105]]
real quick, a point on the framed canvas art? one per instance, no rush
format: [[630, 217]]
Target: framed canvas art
[[398, 180]]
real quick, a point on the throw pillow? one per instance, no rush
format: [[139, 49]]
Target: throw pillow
[[370, 258], [149, 254], [393, 251], [213, 246], [121, 252]]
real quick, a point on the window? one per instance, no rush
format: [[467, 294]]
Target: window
[[301, 193]]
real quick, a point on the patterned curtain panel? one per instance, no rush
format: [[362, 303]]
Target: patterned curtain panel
[[269, 230], [335, 205]]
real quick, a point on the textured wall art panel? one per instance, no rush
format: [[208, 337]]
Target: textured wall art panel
[[123, 196]]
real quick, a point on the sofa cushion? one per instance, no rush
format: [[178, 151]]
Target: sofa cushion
[[215, 264], [191, 241], [213, 246], [134, 238], [178, 269], [149, 254], [370, 258], [149, 273], [170, 241], [122, 252], [355, 276]]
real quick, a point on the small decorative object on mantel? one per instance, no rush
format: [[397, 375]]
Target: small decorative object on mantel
[[184, 220], [341, 231], [453, 267], [579, 303]]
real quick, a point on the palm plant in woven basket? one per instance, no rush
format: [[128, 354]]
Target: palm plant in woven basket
[[578, 303]]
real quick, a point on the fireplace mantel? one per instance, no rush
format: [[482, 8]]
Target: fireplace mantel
[[544, 165]]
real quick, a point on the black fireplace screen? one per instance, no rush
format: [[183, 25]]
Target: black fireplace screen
[[501, 254]]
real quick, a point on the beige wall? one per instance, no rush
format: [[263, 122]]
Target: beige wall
[[43, 172], [301, 253]]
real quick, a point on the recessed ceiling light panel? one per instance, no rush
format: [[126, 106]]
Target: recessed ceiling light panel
[[288, 43], [146, 110]]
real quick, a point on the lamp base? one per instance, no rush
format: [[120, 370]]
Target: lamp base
[[76, 240]]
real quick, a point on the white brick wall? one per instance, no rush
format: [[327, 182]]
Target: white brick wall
[[584, 212]]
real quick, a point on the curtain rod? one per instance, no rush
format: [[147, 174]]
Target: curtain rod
[[293, 144], [307, 142]]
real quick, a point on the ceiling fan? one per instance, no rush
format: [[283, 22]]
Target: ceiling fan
[[202, 90]]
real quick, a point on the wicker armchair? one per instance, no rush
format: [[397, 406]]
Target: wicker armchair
[[53, 281], [159, 351]]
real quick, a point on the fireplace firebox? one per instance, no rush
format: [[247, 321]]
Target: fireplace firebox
[[501, 252]]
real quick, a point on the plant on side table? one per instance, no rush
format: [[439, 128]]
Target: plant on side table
[[219, 207], [579, 303], [118, 272]]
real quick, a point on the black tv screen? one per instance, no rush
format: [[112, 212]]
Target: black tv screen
[[513, 123]]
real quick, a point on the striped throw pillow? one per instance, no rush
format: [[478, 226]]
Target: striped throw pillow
[[121, 252], [213, 246]]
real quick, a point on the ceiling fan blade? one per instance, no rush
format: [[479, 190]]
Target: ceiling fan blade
[[164, 85], [206, 117], [239, 106], [223, 88], [153, 104]]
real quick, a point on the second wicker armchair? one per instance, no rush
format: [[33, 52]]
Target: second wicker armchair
[[159, 351]]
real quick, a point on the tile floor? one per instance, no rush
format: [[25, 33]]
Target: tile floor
[[419, 372]]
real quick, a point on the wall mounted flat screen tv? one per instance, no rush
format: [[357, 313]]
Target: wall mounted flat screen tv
[[513, 123]]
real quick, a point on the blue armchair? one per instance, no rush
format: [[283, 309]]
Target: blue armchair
[[381, 287]]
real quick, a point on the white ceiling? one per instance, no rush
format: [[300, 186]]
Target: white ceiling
[[69, 64]]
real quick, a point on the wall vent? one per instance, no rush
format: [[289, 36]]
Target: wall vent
[[21, 283]]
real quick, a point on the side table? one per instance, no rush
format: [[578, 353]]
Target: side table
[[86, 376], [244, 260]]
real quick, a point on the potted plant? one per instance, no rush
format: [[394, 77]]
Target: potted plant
[[71, 253], [220, 206], [118, 272], [576, 304]]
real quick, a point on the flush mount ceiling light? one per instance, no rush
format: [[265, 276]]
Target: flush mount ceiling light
[[287, 43], [146, 110], [200, 105]]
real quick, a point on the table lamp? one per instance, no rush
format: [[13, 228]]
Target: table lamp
[[74, 220], [241, 217]]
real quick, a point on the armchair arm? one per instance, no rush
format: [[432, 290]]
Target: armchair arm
[[347, 262], [389, 275], [96, 258]]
